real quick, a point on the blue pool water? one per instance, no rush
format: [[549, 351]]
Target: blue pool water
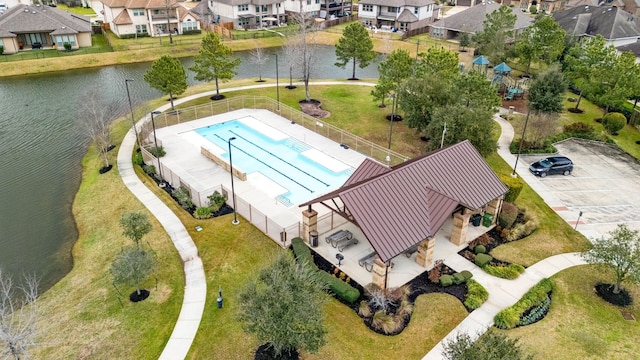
[[277, 157]]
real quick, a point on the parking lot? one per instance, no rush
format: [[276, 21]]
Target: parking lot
[[604, 186]]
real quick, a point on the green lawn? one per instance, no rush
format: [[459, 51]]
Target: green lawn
[[76, 9]]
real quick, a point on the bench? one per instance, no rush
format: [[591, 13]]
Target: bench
[[410, 251], [344, 243], [338, 236], [367, 260]]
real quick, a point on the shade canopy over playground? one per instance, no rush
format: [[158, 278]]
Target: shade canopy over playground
[[502, 68], [481, 60]]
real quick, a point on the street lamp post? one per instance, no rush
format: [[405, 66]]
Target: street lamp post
[[526, 121], [133, 121], [233, 192], [277, 84], [155, 140], [393, 118]]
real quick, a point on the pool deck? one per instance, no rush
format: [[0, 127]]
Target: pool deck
[[185, 161]]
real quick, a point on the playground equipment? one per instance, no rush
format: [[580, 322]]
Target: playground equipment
[[482, 63], [511, 88]]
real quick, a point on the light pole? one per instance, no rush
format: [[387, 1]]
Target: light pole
[[277, 84], [526, 121], [233, 192], [578, 221], [155, 140], [133, 121]]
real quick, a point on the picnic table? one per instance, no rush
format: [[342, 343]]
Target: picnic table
[[338, 236]]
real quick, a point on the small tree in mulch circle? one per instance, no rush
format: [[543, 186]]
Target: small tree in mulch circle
[[387, 310], [133, 266], [620, 252], [135, 225]]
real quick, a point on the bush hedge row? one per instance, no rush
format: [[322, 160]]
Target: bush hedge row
[[476, 295], [510, 317], [340, 288], [515, 187], [511, 271]]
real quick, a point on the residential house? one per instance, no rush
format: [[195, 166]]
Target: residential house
[[129, 18], [249, 14], [471, 21], [424, 204], [38, 26], [633, 47], [545, 6], [331, 9], [403, 15], [617, 26]]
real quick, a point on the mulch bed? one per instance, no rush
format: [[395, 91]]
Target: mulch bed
[[605, 291], [265, 352], [314, 108]]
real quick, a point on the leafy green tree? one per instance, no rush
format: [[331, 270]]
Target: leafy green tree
[[546, 91], [462, 123], [356, 46], [438, 60], [396, 68], [497, 29], [465, 41], [620, 253], [614, 122], [167, 76], [618, 83], [492, 345], [542, 41], [133, 266], [214, 62], [418, 99], [283, 306], [586, 62], [135, 225]]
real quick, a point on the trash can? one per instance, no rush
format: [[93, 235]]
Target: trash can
[[476, 219], [219, 303], [487, 220], [313, 238]]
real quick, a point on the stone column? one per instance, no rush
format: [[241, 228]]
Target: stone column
[[459, 230], [309, 223], [494, 208], [379, 273], [425, 252]]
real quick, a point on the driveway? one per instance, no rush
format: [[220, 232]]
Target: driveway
[[604, 186]]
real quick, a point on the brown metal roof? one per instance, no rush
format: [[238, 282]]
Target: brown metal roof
[[404, 205]]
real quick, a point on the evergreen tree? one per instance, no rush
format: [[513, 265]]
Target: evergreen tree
[[396, 68], [356, 46], [214, 62], [497, 29], [167, 76], [546, 92]]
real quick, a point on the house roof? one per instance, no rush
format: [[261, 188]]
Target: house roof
[[123, 18], [633, 47], [608, 21], [251, 2], [140, 4], [407, 16], [397, 3], [400, 206], [472, 20], [38, 18]]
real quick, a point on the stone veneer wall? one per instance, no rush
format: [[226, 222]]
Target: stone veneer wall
[[223, 163]]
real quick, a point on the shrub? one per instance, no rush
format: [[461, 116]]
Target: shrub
[[364, 309], [515, 187], [476, 295], [523, 230], [579, 129], [434, 273], [157, 152], [509, 317], [216, 201], [458, 279], [533, 9], [301, 251], [1, 49], [446, 280], [67, 46], [483, 259], [203, 212], [137, 159], [183, 196], [511, 271], [480, 249], [405, 308], [466, 274], [614, 122], [191, 32], [483, 239], [149, 169], [536, 313], [508, 215], [338, 287]]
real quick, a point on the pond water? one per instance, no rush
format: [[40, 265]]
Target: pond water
[[41, 150]]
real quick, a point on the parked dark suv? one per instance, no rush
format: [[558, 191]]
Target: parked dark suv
[[552, 165]]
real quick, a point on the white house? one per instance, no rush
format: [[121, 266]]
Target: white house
[[400, 14], [249, 14]]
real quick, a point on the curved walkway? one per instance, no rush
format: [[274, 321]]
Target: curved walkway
[[195, 292], [502, 292]]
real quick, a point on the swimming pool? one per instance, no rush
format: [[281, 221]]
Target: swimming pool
[[284, 167]]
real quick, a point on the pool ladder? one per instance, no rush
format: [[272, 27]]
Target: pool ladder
[[284, 200]]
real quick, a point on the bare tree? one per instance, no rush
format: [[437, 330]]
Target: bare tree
[[303, 42], [291, 59], [93, 119], [18, 315], [258, 57], [541, 127]]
